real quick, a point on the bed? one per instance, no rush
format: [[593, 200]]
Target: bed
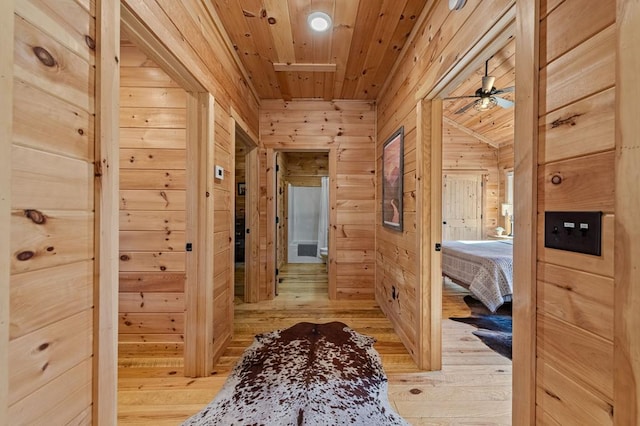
[[484, 267]]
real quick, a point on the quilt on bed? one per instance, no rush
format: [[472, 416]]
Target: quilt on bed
[[486, 267]]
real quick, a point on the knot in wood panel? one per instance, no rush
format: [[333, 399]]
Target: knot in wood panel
[[25, 255], [44, 56], [36, 216], [91, 43]]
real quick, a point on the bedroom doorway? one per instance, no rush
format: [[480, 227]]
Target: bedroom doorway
[[477, 204]]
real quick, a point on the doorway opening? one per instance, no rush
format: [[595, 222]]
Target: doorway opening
[[477, 197], [302, 212], [166, 217], [245, 214]]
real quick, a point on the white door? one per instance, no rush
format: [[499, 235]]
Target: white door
[[462, 201]]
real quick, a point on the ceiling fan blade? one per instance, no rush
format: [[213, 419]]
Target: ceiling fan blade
[[505, 90], [504, 103], [461, 97], [465, 108], [487, 83]]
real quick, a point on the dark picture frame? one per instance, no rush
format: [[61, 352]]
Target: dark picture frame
[[392, 180], [242, 188]]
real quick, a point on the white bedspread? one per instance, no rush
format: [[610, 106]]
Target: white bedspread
[[486, 267]]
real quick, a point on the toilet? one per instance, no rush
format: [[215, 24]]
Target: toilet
[[324, 253]]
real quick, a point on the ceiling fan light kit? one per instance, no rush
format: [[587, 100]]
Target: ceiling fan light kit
[[319, 21], [456, 4], [486, 95]]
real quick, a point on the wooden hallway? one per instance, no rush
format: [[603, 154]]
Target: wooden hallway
[[474, 386]]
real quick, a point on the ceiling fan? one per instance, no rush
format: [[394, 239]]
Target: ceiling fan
[[486, 95]]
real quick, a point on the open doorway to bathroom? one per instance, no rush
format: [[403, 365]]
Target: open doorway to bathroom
[[302, 215]]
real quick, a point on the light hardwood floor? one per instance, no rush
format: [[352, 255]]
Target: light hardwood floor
[[473, 388]]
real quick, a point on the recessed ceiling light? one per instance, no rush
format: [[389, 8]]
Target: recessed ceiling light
[[319, 21]]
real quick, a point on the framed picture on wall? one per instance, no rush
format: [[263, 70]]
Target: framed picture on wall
[[392, 180], [242, 188]]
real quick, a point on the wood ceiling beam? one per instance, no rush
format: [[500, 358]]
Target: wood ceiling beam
[[300, 67], [470, 132]]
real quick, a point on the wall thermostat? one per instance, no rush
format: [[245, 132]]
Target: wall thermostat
[[219, 173]]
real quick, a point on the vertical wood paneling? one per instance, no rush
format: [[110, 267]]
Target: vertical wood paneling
[[6, 130], [347, 129], [52, 226], [140, 169]]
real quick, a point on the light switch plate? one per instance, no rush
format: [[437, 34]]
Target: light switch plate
[[580, 232], [219, 172]]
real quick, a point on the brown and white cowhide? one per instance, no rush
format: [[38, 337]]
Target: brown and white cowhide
[[308, 374]]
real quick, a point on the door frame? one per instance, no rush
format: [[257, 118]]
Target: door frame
[[243, 134], [271, 213], [198, 348], [522, 21]]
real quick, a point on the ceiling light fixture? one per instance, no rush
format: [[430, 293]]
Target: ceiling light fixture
[[456, 4], [319, 21], [485, 103]]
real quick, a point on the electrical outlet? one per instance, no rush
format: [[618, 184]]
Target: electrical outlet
[[219, 172]]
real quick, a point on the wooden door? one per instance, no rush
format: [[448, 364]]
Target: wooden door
[[462, 200]]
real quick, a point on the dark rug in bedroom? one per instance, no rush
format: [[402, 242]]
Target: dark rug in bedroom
[[494, 328]]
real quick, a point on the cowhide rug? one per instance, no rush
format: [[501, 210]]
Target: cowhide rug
[[308, 374], [494, 329]]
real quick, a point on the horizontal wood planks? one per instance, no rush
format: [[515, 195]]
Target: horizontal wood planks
[[347, 128], [51, 237], [152, 205], [575, 340]]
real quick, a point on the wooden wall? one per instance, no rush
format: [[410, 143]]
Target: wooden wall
[[347, 130], [153, 188], [576, 143], [462, 152], [306, 168], [52, 214], [442, 38]]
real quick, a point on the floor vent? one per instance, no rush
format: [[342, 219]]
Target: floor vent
[[307, 249]]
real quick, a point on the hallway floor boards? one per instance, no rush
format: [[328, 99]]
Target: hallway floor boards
[[474, 386]]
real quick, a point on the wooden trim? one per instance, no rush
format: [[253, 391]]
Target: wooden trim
[[428, 204], [525, 185], [490, 43], [252, 222], [627, 205], [333, 223], [198, 345], [191, 291], [250, 139], [155, 49], [107, 204], [205, 248], [271, 224], [303, 67], [470, 132], [6, 124]]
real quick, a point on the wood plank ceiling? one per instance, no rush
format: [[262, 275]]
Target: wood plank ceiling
[[285, 59], [494, 126], [364, 43]]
